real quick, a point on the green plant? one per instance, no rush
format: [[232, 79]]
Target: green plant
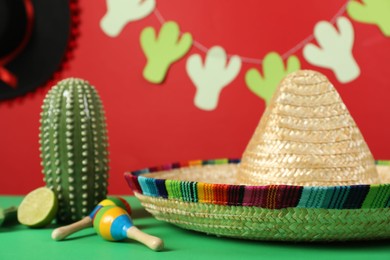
[[74, 143]]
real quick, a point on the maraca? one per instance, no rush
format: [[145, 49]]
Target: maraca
[[63, 232], [113, 224]]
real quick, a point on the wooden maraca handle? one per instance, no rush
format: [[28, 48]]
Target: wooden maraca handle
[[62, 232], [152, 242]]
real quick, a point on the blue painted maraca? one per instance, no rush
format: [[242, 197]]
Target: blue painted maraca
[[113, 224], [62, 232]]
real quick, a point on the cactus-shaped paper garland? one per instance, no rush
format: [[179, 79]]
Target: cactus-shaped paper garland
[[372, 12], [335, 49], [74, 147], [274, 71], [332, 50], [212, 76], [163, 49], [121, 12]]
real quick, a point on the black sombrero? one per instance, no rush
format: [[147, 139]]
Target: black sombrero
[[34, 39]]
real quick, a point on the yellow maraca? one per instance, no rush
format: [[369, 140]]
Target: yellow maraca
[[62, 232], [113, 224]]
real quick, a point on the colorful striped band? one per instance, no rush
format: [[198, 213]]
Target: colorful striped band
[[270, 196], [95, 210], [112, 223]]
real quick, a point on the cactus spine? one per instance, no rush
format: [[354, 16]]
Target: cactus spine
[[74, 143]]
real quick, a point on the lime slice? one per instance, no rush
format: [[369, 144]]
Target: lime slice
[[8, 215], [2, 216], [38, 208]]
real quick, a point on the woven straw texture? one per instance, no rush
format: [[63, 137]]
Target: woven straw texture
[[289, 224], [307, 137], [306, 175], [175, 194]]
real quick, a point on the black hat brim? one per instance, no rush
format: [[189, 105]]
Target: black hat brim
[[45, 51]]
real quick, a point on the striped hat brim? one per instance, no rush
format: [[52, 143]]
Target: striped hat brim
[[205, 196]]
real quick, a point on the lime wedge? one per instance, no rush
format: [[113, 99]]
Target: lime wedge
[[8, 215], [38, 208], [2, 216]]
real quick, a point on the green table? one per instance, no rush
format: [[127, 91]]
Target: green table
[[19, 242]]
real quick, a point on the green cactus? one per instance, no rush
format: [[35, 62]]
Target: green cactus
[[274, 71], [163, 50], [74, 147]]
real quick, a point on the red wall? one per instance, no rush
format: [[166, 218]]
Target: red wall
[[151, 124]]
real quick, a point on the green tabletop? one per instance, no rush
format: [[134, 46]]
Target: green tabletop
[[19, 242]]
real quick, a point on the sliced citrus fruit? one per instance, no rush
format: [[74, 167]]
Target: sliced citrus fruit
[[8, 215], [38, 208]]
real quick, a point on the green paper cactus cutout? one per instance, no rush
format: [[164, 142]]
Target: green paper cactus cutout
[[74, 147], [274, 71], [163, 50], [371, 12]]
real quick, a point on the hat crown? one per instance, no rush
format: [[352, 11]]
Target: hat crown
[[307, 137]]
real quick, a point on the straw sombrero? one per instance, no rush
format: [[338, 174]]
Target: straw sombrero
[[306, 175]]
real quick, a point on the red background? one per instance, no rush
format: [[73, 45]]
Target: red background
[[150, 124]]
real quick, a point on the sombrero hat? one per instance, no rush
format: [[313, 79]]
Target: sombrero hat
[[35, 38], [306, 175]]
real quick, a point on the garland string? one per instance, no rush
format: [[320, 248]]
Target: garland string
[[251, 60]]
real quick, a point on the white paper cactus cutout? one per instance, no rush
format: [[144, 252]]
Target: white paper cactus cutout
[[212, 76], [121, 12], [335, 49]]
